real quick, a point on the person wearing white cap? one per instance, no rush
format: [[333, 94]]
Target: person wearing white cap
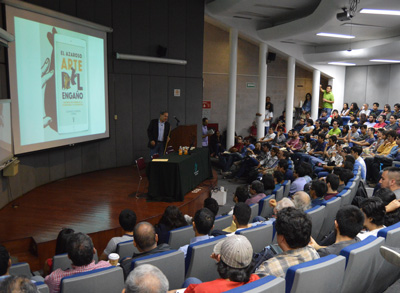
[[234, 264]]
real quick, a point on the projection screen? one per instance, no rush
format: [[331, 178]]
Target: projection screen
[[58, 81]]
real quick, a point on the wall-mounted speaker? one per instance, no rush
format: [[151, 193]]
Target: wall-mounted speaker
[[161, 51], [271, 57]]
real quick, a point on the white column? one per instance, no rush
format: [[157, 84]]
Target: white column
[[262, 92], [233, 43], [315, 94], [290, 92]]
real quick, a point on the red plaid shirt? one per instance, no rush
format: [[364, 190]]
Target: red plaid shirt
[[54, 279]]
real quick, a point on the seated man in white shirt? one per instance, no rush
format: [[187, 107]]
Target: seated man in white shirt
[[374, 217], [203, 223], [127, 221]]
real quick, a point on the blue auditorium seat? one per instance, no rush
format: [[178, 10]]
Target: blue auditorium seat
[[331, 208], [180, 236], [317, 215], [264, 210], [126, 249], [259, 236], [286, 184], [222, 222], [254, 211], [268, 284]]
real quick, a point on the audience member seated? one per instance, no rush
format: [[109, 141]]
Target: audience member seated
[[387, 111], [323, 117], [335, 117], [299, 180], [268, 181], [370, 123], [61, 247], [349, 222], [127, 221], [299, 126], [301, 200], [392, 124], [317, 192], [374, 217], [216, 145], [345, 110], [147, 279], [234, 155], [364, 110], [332, 183], [256, 192], [234, 265], [308, 129], [146, 242], [375, 110], [236, 149], [203, 222], [269, 137], [209, 203], [80, 251], [356, 153], [387, 196], [344, 176], [170, 220], [16, 284], [283, 167], [5, 263], [365, 141], [386, 152], [396, 112], [278, 180], [293, 228], [353, 109], [317, 129], [353, 120], [335, 131], [380, 122], [391, 179], [294, 143]]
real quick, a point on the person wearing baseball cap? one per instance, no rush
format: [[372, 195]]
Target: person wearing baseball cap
[[234, 264]]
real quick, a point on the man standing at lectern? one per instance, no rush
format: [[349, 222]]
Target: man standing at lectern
[[158, 133]]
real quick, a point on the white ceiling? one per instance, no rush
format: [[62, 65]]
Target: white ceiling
[[298, 22]]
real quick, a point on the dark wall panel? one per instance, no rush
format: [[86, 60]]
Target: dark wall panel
[[73, 160], [27, 173], [158, 34], [176, 105], [123, 108], [158, 95], [90, 157], [86, 9], [177, 36], [140, 114], [121, 34], [378, 80], [68, 7], [41, 167], [57, 164], [194, 38], [140, 24], [194, 92]]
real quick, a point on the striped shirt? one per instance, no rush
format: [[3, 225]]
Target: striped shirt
[[278, 265]]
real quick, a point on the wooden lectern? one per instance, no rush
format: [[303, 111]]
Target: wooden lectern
[[183, 135]]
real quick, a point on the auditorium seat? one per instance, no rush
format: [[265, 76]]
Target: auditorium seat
[[198, 262], [21, 269], [264, 209], [254, 211], [61, 261], [286, 184], [259, 236], [222, 222], [387, 273], [331, 208], [363, 261], [317, 215], [345, 195], [181, 236], [279, 194], [126, 249], [42, 287], [268, 284], [171, 263], [104, 280], [320, 275]]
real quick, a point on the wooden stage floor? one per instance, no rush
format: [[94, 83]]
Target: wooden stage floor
[[88, 203]]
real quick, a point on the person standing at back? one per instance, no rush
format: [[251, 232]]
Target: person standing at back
[[327, 99]]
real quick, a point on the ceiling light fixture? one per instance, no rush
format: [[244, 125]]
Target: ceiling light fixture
[[342, 63], [380, 11], [330, 35], [385, 60]]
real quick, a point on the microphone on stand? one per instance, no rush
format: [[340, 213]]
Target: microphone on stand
[[177, 121]]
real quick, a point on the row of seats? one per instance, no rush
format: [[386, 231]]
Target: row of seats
[[358, 268]]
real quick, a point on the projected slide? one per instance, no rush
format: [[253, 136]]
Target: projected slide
[[61, 86], [5, 131]]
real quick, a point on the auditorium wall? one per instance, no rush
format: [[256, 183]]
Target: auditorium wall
[[375, 83], [216, 79], [138, 91]]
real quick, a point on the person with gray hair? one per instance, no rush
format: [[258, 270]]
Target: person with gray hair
[[146, 279], [18, 284], [256, 192], [301, 200]]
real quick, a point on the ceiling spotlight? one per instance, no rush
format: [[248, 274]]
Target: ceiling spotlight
[[344, 16]]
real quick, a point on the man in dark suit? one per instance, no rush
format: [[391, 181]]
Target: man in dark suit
[[158, 133]]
